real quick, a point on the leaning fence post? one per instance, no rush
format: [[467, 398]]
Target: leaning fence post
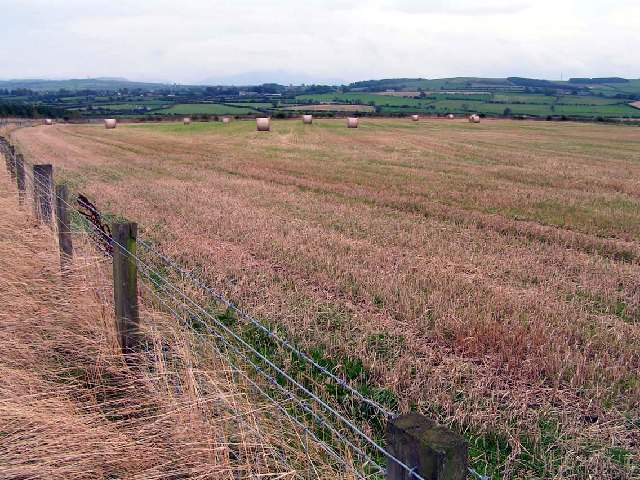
[[125, 285], [20, 178], [64, 226], [430, 450], [42, 183]]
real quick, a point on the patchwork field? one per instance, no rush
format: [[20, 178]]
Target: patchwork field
[[206, 108], [489, 274], [517, 104], [332, 108]]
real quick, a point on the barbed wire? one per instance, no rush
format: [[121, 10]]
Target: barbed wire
[[273, 381], [220, 298], [291, 380], [144, 267], [149, 273]]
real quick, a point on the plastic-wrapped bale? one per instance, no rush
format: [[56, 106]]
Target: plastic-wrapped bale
[[110, 123], [307, 119], [263, 124], [451, 116], [352, 122], [48, 121], [415, 118], [226, 120], [474, 118], [186, 120]]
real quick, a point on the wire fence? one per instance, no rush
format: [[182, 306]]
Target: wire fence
[[311, 392]]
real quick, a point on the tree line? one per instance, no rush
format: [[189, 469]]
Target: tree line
[[24, 110]]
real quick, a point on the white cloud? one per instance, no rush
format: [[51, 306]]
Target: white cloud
[[187, 41]]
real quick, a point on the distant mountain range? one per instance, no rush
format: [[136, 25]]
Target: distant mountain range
[[604, 85]]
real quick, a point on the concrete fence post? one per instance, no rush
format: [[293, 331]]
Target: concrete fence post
[[125, 285], [42, 189], [64, 225], [432, 451], [20, 178]]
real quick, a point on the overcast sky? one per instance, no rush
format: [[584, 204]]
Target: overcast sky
[[188, 41]]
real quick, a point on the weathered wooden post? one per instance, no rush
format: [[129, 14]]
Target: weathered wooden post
[[10, 151], [42, 183], [125, 285], [20, 178], [432, 451], [64, 226], [12, 165]]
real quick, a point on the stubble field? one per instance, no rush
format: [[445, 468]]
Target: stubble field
[[489, 275]]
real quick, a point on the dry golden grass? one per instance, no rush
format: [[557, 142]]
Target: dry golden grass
[[71, 408], [488, 274]]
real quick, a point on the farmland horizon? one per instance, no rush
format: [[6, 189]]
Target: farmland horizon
[[285, 77], [364, 240], [164, 41]]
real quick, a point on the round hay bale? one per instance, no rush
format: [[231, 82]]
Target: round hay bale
[[352, 122], [451, 116], [263, 124], [415, 118], [186, 120], [307, 119], [110, 123], [226, 120], [48, 121], [474, 118]]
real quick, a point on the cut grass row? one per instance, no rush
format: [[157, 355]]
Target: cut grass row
[[473, 270]]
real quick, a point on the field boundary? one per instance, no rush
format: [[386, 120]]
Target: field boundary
[[362, 433]]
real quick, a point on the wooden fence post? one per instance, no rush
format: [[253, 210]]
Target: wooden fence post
[[20, 178], [125, 285], [9, 153], [64, 226], [12, 165], [434, 452], [42, 183]]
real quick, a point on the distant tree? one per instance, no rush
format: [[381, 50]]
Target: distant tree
[[507, 112]]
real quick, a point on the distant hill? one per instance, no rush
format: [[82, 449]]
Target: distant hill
[[607, 86], [102, 83]]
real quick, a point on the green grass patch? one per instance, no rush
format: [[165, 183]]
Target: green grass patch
[[204, 109]]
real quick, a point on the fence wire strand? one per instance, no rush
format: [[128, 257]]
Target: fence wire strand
[[232, 341]]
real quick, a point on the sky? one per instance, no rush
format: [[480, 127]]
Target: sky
[[307, 41]]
